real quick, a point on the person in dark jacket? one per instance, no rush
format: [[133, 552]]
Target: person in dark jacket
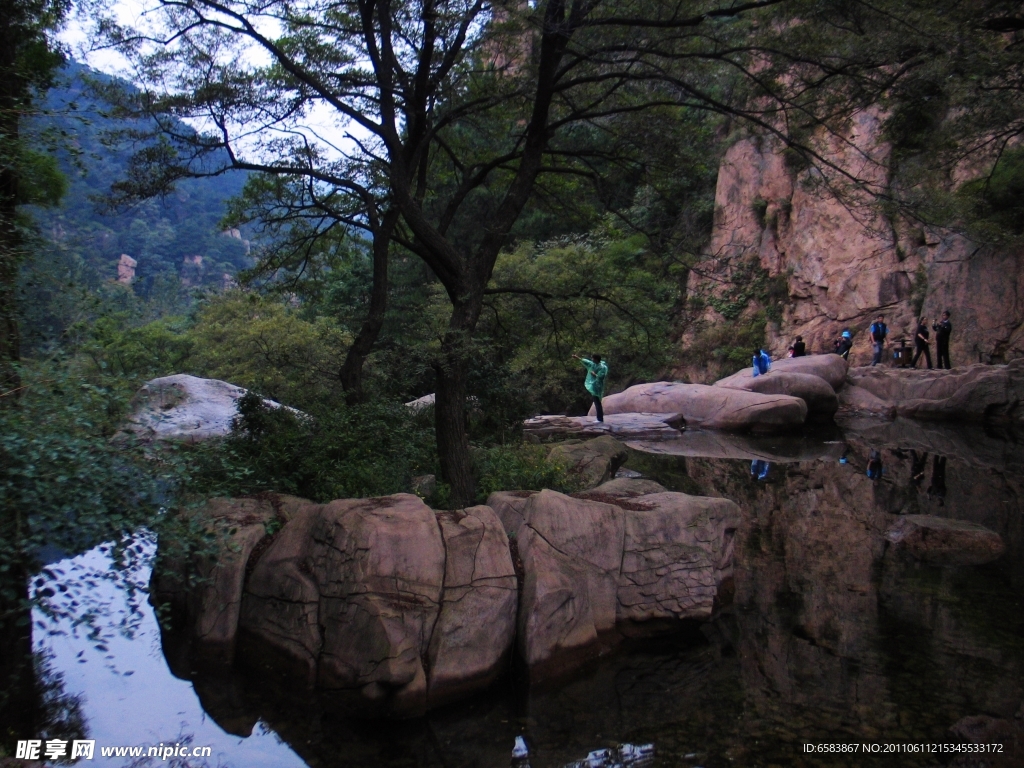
[[799, 348], [921, 344], [943, 330], [844, 344], [879, 330]]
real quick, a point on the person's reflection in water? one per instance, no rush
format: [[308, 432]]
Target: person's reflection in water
[[759, 468], [938, 485], [875, 465], [520, 754], [917, 465]]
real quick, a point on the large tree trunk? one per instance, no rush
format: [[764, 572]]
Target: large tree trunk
[[19, 694], [352, 370], [10, 242], [450, 401]]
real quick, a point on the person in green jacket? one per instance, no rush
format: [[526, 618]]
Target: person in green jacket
[[597, 372]]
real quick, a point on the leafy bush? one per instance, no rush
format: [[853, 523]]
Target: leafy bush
[[366, 450], [520, 467]]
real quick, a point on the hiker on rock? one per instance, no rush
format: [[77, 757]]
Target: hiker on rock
[[762, 363], [844, 344], [597, 372], [943, 330], [921, 344], [879, 330], [799, 348]]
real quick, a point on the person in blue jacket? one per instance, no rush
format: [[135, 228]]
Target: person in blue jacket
[[879, 330], [762, 363], [597, 372]]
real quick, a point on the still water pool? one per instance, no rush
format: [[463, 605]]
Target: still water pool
[[825, 636]]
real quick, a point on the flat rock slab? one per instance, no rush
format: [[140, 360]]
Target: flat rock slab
[[973, 392], [636, 426], [711, 407], [815, 391], [185, 408], [945, 541]]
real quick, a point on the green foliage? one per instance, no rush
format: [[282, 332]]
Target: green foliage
[[66, 486], [262, 343], [750, 282], [159, 348], [367, 450], [995, 203], [727, 345], [519, 467], [593, 294]]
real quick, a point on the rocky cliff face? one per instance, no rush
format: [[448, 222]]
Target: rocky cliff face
[[845, 262]]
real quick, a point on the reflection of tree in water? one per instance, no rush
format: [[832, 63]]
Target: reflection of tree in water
[[40, 708]]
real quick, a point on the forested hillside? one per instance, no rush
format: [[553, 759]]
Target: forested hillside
[[176, 241]]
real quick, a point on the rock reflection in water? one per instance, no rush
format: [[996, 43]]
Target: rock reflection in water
[[833, 635]]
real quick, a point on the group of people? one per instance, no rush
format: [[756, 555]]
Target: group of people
[[943, 330], [597, 370]]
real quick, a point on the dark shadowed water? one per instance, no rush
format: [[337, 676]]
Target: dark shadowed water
[[826, 636]]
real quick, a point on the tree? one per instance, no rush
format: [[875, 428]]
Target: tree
[[453, 110], [28, 60]]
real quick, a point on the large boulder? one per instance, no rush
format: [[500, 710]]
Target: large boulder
[[815, 391], [711, 407], [593, 461], [945, 541], [185, 408], [628, 487], [831, 368], [385, 598], [974, 392], [203, 583], [473, 635], [591, 564]]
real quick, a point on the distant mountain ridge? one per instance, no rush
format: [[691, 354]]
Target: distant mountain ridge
[[178, 237]]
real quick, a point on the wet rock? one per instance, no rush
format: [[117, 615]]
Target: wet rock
[[373, 570], [471, 640], [204, 587], [831, 368], [571, 551], [815, 391], [384, 598], [945, 541], [636, 426], [711, 407], [858, 400], [185, 408], [591, 564], [974, 392], [592, 462]]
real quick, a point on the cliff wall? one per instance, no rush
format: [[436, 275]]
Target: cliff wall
[[843, 261]]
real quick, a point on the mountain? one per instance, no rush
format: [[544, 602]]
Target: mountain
[[178, 237]]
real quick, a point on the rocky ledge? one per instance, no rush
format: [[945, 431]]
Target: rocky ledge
[[972, 393], [405, 608]]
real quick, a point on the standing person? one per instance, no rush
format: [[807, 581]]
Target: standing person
[[921, 344], [943, 330], [844, 344], [879, 331], [762, 363], [799, 348], [597, 372]]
